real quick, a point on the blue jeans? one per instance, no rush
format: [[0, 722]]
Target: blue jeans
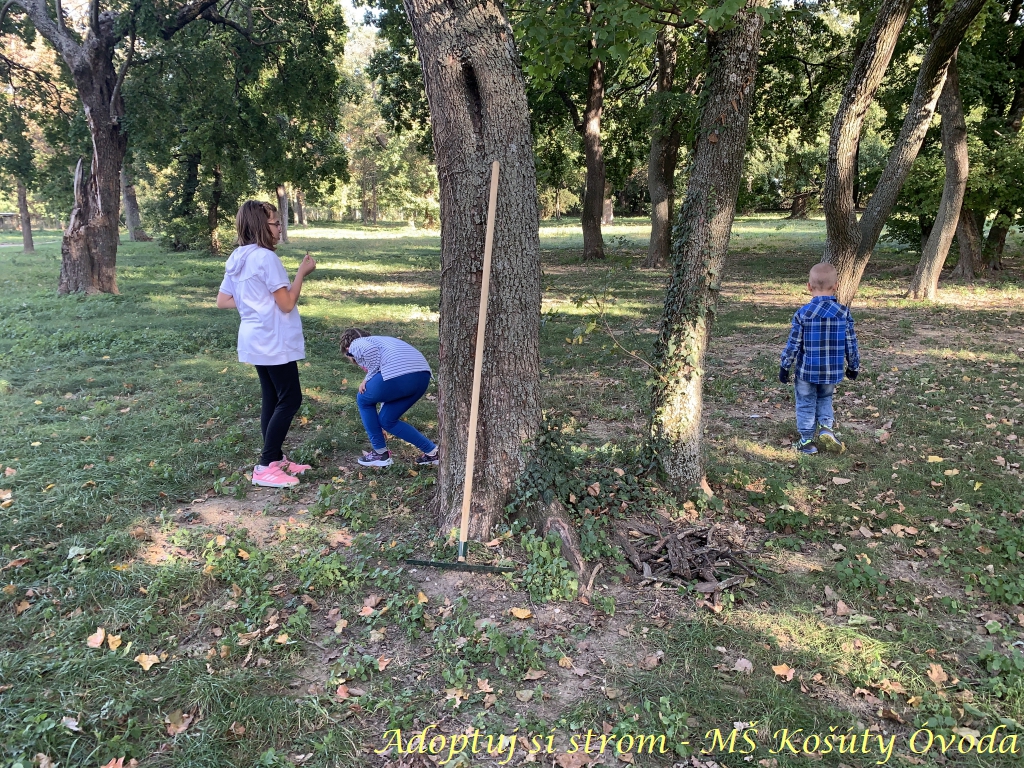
[[395, 396], [813, 407]]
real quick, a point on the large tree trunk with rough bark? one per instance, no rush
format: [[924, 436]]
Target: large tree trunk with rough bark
[[282, 210], [995, 243], [478, 114], [89, 248], [26, 219], [849, 243], [593, 195], [661, 165], [132, 216], [925, 283], [699, 244], [837, 197], [968, 238]]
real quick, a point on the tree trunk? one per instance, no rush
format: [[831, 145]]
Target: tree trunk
[[27, 246], [842, 230], [89, 248], [282, 210], [849, 244], [925, 283], [968, 238], [661, 165], [924, 224], [699, 244], [800, 204], [132, 217], [300, 208], [995, 243], [593, 195], [479, 113], [213, 214]]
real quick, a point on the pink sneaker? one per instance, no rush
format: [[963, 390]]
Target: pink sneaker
[[273, 477], [291, 467]]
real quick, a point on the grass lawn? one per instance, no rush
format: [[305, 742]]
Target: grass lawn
[[161, 610]]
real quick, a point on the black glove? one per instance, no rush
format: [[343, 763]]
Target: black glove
[[784, 375], [851, 374]]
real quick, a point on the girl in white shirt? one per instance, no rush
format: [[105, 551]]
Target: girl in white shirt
[[270, 333]]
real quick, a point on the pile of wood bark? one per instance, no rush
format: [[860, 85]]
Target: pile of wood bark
[[709, 553]]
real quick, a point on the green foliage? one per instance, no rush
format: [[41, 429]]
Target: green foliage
[[548, 575], [857, 573], [1006, 671]]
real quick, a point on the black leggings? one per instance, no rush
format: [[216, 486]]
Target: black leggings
[[282, 396]]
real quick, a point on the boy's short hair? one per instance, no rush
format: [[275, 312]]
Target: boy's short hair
[[350, 335], [823, 276], [253, 224]]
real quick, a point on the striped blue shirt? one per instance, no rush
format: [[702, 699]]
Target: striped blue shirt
[[821, 339], [388, 356]]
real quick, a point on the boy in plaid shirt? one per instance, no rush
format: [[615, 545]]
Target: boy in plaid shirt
[[821, 340]]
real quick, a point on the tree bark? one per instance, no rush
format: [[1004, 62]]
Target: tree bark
[[593, 195], [282, 210], [132, 217], [300, 208], [213, 213], [27, 246], [479, 113], [800, 204], [699, 244], [661, 165], [995, 243], [837, 198], [925, 283], [968, 238], [849, 246]]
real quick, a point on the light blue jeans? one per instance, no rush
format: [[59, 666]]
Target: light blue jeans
[[813, 407]]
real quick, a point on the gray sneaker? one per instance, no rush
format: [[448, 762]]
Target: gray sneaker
[[375, 459], [829, 441]]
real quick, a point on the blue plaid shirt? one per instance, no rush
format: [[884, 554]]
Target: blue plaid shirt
[[821, 339]]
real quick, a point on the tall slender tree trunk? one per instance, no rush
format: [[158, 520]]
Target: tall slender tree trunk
[[661, 164], [968, 238], [700, 240], [282, 210], [837, 198], [925, 283], [593, 195], [995, 243], [479, 113], [26, 219], [300, 207], [213, 213], [132, 216], [849, 243]]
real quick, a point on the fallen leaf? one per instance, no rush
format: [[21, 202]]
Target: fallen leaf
[[594, 489], [892, 686], [10, 472], [842, 609], [483, 685], [534, 674], [651, 661], [177, 722], [113, 642], [17, 563], [841, 480], [71, 724], [366, 611], [490, 700], [42, 761], [860, 619], [221, 541], [421, 598], [372, 601], [521, 613], [117, 762], [565, 662], [342, 692], [937, 674], [890, 714], [237, 729], [524, 695], [340, 626], [382, 663], [935, 459], [951, 472], [281, 639], [744, 666], [95, 640], [147, 660], [243, 554], [784, 671]]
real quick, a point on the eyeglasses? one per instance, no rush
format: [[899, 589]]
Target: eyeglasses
[[275, 224]]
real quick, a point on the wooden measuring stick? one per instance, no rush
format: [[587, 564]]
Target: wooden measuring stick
[[474, 403]]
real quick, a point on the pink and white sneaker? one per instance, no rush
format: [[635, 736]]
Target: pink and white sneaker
[[273, 477], [290, 466]]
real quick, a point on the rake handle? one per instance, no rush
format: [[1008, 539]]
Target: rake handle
[[474, 402]]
